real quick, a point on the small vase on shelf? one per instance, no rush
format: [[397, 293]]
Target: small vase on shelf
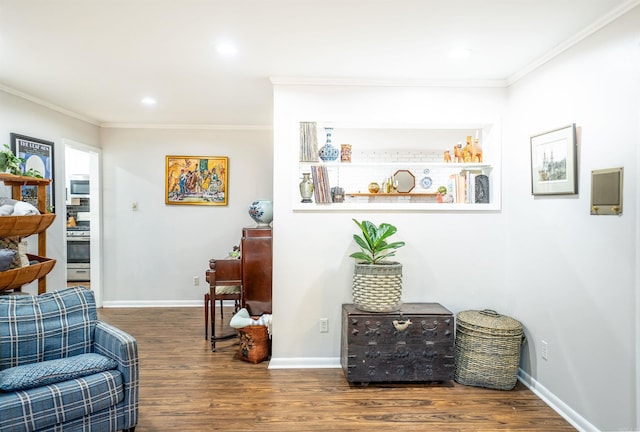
[[328, 152], [306, 188]]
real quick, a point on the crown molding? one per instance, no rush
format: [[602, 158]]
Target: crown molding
[[574, 40], [307, 81], [95, 122], [186, 126], [48, 105]]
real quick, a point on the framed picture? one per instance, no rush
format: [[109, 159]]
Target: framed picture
[[554, 162], [38, 156], [199, 180]]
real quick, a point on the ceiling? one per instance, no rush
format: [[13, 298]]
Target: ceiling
[[97, 59]]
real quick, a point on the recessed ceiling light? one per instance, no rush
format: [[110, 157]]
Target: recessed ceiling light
[[226, 49], [148, 101], [460, 53]]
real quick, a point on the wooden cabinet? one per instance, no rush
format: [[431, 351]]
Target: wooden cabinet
[[413, 344], [257, 251], [24, 226], [252, 272]]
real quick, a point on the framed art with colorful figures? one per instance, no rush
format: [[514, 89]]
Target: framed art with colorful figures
[[197, 180]]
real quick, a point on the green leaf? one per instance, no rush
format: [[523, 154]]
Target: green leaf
[[362, 256], [361, 242], [395, 245], [373, 245]]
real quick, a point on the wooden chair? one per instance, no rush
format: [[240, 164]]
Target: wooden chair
[[231, 292], [225, 283]]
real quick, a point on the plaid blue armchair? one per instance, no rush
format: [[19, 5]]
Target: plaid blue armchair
[[63, 370]]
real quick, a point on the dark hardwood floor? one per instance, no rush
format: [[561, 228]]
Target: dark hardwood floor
[[186, 387]]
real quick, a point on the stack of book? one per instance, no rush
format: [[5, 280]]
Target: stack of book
[[321, 186], [308, 142], [462, 187]]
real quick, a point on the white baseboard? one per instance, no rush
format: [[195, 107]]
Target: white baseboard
[[159, 303], [576, 420], [305, 363], [152, 303]]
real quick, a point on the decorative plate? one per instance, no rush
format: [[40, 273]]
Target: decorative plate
[[426, 171], [426, 182]]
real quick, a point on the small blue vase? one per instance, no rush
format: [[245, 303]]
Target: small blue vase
[[328, 152]]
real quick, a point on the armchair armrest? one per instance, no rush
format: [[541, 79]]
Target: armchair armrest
[[112, 342]]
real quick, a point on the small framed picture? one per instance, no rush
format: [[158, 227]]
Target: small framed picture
[[199, 180], [37, 155], [554, 162]]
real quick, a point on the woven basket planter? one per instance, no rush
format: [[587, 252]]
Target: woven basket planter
[[377, 287], [488, 349]]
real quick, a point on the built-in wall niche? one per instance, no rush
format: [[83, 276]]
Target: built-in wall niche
[[377, 153]]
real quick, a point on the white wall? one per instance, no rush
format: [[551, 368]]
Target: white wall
[[571, 277], [27, 118], [452, 258], [568, 276], [152, 254]]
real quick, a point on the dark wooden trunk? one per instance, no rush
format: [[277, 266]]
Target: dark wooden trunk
[[413, 344]]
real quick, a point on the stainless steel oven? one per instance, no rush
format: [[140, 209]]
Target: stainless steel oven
[[78, 254]]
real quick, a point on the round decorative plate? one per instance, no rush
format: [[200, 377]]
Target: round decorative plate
[[426, 182], [426, 171]]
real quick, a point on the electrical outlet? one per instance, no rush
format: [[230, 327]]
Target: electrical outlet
[[324, 325], [196, 281], [544, 350]]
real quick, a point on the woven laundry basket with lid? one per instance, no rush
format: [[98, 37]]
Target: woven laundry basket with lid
[[488, 347]]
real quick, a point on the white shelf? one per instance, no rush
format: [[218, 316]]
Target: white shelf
[[400, 207], [399, 165], [378, 153]]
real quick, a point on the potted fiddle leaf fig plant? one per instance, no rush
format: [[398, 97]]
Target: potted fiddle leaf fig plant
[[377, 282]]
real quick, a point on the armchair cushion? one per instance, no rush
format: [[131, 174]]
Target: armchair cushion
[[46, 327], [91, 400], [53, 371]]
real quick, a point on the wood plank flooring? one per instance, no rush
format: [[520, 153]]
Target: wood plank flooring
[[186, 387]]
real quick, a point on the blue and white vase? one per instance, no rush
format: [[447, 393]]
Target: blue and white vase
[[261, 211], [328, 152]]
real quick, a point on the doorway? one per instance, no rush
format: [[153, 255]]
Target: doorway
[[83, 210]]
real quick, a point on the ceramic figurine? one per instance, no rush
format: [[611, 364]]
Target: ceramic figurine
[[447, 156]]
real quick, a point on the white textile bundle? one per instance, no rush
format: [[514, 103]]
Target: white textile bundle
[[11, 207], [243, 319]]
